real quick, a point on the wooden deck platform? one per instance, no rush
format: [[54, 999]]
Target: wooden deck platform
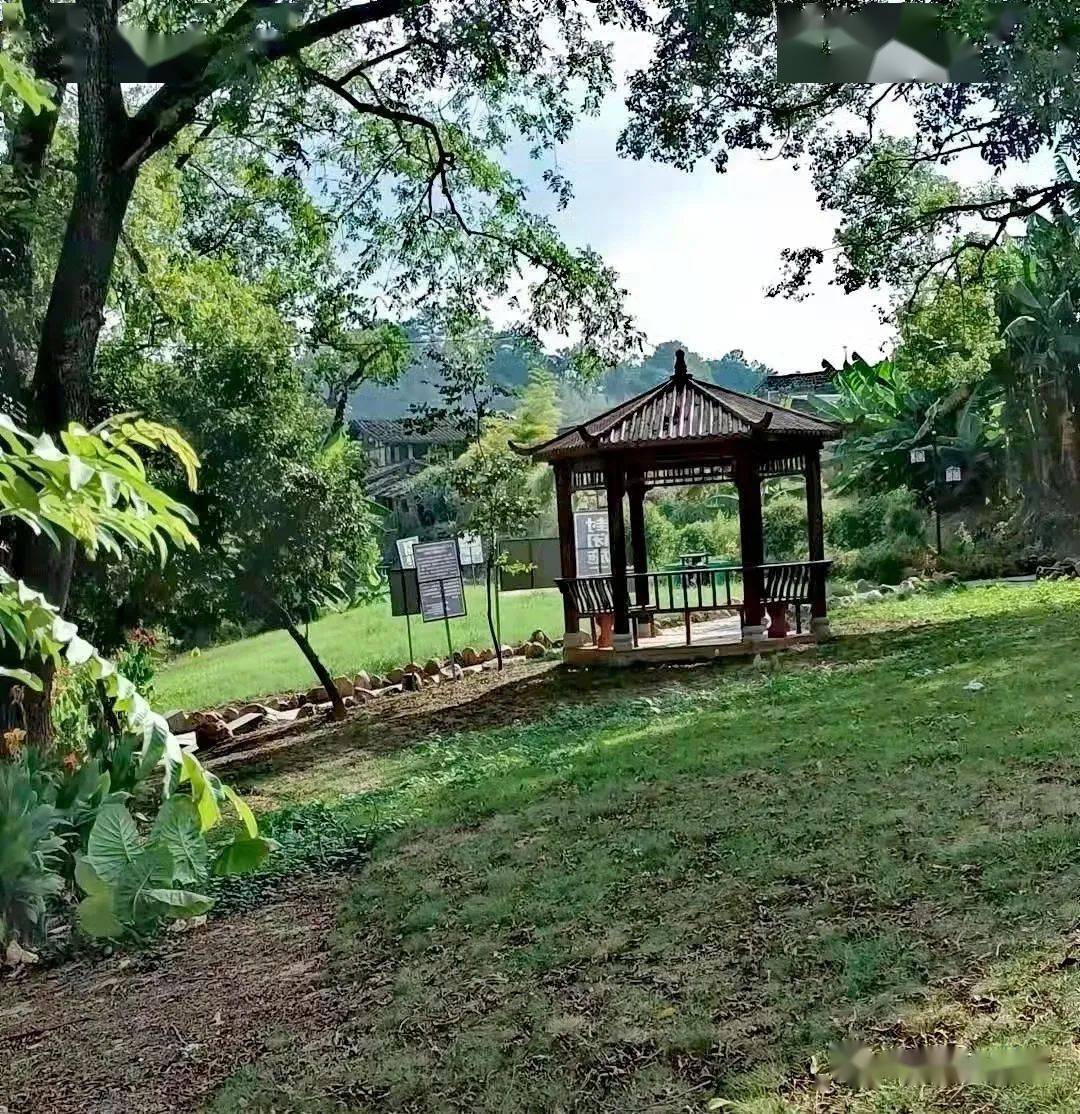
[[714, 638]]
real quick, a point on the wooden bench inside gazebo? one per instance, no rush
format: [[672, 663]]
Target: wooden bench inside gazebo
[[688, 432]]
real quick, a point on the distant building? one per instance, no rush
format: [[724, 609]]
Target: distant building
[[390, 485], [392, 441], [399, 452], [795, 389]]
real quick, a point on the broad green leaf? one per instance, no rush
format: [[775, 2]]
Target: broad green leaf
[[201, 792], [113, 843], [23, 676], [96, 917], [242, 856], [177, 826], [152, 870], [243, 810], [180, 903], [88, 879]]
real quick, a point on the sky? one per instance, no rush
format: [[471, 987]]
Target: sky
[[696, 251]]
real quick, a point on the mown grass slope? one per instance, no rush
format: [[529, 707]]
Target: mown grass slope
[[684, 898], [366, 637]]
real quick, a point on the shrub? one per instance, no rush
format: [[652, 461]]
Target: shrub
[[883, 562], [682, 511], [905, 520], [138, 660], [75, 699], [725, 537], [694, 537], [987, 551], [785, 528], [852, 524], [30, 854], [660, 536]]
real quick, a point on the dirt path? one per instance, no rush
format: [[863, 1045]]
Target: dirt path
[[159, 1031], [523, 693], [479, 701]]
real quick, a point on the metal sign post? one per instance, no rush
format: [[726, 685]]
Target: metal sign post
[[446, 620]]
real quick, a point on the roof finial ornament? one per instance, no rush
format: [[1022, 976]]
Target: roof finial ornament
[[680, 365]]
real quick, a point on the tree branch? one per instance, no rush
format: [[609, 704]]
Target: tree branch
[[172, 108]]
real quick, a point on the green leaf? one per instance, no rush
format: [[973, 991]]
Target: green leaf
[[23, 676], [89, 881], [242, 856], [96, 917], [23, 84], [180, 903], [113, 843], [201, 792], [152, 870], [177, 827], [243, 810]]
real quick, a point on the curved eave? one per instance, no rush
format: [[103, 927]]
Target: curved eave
[[775, 438]]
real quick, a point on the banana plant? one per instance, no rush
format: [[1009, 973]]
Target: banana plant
[[884, 417]]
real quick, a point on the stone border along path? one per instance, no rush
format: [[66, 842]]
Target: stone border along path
[[214, 729]]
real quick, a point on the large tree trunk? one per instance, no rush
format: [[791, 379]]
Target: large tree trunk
[[313, 659], [28, 151], [76, 310]]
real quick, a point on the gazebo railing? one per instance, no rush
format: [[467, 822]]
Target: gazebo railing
[[693, 591]]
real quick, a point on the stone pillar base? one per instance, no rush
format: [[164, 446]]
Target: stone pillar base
[[753, 634], [819, 627], [573, 639], [622, 641]]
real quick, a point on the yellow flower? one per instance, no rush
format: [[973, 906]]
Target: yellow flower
[[13, 741]]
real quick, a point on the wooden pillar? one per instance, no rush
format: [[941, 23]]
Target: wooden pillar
[[751, 541], [615, 479], [635, 491], [564, 510], [815, 522]]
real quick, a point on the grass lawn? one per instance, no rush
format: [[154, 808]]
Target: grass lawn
[[364, 638], [683, 897]]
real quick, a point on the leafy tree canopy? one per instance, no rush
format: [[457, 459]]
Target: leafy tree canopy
[[711, 90]]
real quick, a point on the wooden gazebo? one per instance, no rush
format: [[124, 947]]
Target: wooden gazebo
[[684, 432]]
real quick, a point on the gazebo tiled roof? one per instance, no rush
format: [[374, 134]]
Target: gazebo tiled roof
[[683, 411]]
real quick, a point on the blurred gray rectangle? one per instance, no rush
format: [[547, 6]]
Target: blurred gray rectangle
[[141, 56], [882, 43]]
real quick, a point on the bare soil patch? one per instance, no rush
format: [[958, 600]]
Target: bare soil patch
[[157, 1031]]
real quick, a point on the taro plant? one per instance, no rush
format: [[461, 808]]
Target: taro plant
[[30, 853], [92, 489], [132, 883]]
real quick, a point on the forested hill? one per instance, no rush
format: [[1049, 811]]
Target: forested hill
[[514, 358]]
